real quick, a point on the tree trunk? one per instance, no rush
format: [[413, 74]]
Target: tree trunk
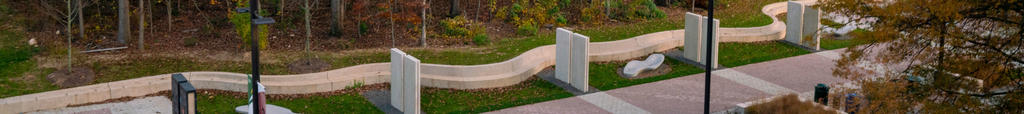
[[81, 23], [142, 24], [309, 33], [423, 35], [68, 29], [170, 20], [280, 7], [123, 21], [336, 16], [455, 9]]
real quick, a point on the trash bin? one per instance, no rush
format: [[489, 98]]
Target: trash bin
[[821, 94]]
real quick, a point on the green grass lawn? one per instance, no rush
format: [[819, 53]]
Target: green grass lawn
[[531, 91], [734, 54], [603, 76], [510, 48], [742, 13], [348, 103], [18, 72]]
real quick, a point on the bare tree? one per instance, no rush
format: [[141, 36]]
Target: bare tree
[[306, 12]]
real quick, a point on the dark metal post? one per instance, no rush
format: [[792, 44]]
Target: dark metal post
[[254, 44], [707, 65]]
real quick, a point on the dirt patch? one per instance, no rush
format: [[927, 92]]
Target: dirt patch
[[661, 70], [308, 65], [73, 77]]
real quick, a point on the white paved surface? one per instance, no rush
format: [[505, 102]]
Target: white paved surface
[[148, 105], [612, 104]]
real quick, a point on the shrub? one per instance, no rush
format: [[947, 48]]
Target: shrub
[[242, 27], [363, 27], [455, 26], [481, 39], [528, 29], [636, 10], [593, 13]]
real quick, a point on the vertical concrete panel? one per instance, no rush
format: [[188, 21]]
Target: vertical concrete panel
[[692, 40], [715, 40], [578, 76], [412, 85], [811, 24], [794, 21], [397, 60], [563, 42]]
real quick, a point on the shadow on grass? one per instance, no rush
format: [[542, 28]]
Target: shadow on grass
[[533, 90]]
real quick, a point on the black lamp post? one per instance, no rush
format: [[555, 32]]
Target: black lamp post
[[707, 65], [256, 20]]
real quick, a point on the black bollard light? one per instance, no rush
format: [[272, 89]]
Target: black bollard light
[[821, 94]]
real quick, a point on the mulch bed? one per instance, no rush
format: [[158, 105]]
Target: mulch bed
[[74, 77]]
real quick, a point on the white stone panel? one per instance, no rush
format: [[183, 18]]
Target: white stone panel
[[397, 58], [811, 25], [412, 85], [579, 62], [794, 21], [715, 40], [563, 42], [692, 40]]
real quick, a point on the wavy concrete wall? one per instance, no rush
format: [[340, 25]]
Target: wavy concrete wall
[[492, 75]]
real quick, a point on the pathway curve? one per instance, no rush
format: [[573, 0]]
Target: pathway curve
[[729, 86], [501, 74]]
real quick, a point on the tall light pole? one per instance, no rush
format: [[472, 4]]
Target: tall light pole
[[707, 65], [256, 20]]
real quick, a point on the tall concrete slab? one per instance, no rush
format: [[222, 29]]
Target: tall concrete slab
[[811, 24], [714, 43], [794, 21], [397, 76], [715, 40], [411, 79], [579, 62], [563, 40], [692, 42]]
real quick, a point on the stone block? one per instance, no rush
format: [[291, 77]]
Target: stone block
[[811, 25], [794, 21], [715, 40], [635, 67], [563, 42], [579, 62], [692, 40], [411, 67], [397, 76]]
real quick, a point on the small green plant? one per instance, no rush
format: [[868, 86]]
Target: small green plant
[[356, 84], [528, 29], [363, 27], [560, 20], [481, 39]]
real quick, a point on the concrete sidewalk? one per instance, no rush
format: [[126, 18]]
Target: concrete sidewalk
[[730, 86]]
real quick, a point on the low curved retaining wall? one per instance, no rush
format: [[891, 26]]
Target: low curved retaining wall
[[505, 73]]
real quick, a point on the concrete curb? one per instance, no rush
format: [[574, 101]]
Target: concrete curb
[[505, 73]]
